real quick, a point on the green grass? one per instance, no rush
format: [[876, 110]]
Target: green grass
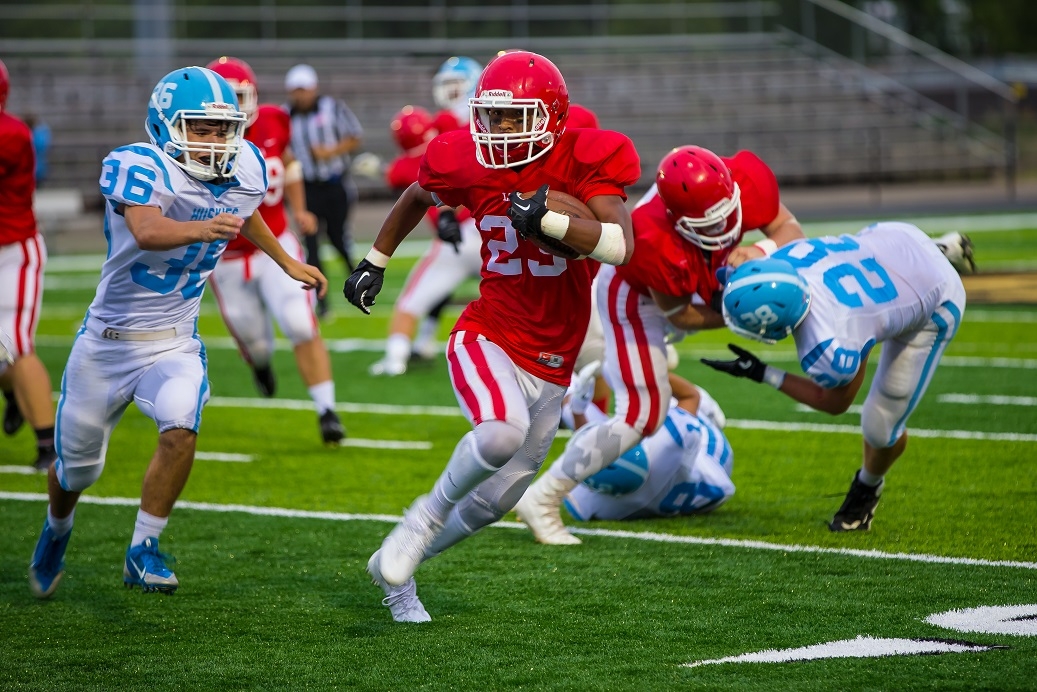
[[280, 601]]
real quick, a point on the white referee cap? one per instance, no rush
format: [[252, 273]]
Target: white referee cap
[[300, 77]]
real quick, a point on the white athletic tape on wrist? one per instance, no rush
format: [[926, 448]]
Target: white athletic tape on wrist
[[773, 376], [768, 246], [377, 258], [673, 311], [554, 224], [612, 245], [293, 172]]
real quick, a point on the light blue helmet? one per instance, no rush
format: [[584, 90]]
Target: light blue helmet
[[192, 94], [765, 299], [623, 476], [455, 83]]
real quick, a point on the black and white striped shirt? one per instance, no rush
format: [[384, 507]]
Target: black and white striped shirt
[[326, 125]]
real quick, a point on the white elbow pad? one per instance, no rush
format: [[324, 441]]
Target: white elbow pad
[[612, 245]]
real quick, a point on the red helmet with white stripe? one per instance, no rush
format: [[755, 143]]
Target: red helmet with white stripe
[[526, 83], [242, 80], [701, 197]]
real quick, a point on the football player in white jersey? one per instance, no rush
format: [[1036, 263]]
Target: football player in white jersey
[[683, 468], [838, 297], [171, 208]]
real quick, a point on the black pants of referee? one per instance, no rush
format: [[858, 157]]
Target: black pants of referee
[[330, 202]]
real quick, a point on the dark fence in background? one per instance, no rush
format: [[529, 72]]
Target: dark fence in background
[[822, 92]]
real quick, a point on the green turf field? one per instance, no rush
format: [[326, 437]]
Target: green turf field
[[274, 530]]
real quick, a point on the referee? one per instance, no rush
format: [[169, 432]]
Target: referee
[[324, 133]]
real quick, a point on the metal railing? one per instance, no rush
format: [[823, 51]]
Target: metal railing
[[916, 72]]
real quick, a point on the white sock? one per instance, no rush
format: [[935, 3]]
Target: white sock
[[147, 526], [60, 526], [397, 348], [323, 396], [868, 478]]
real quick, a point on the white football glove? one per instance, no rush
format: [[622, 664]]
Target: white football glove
[[710, 409], [582, 387]]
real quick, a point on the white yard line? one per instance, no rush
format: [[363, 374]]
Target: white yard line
[[606, 533]]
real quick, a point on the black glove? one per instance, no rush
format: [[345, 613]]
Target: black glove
[[363, 285], [525, 214], [746, 365], [447, 228]]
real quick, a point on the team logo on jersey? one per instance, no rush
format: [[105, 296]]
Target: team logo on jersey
[[550, 360], [206, 213]]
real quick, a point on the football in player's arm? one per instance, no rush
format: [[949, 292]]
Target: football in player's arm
[[512, 351]]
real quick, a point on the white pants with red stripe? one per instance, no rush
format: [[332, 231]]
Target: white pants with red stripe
[[490, 387], [440, 271], [253, 292], [21, 291]]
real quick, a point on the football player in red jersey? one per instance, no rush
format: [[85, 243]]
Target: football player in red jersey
[[451, 258], [23, 254], [687, 226], [512, 350], [250, 289]]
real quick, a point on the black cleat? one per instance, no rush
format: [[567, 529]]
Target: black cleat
[[265, 381], [44, 459], [13, 418], [858, 508], [331, 428]]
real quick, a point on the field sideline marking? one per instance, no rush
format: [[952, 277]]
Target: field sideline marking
[[226, 343], [454, 412], [606, 533]]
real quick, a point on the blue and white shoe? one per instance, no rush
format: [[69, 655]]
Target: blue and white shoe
[[145, 567], [48, 562]]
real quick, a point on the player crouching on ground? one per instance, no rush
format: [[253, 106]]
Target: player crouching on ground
[[684, 468]]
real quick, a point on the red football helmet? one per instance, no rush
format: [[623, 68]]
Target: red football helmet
[[701, 197], [242, 80], [411, 127], [5, 85], [525, 82]]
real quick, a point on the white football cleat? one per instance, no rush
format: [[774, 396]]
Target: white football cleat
[[402, 601], [957, 248], [387, 368], [540, 510], [404, 548]]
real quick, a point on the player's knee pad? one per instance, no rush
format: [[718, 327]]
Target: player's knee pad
[[298, 326], [177, 403], [77, 473], [498, 441], [879, 417]]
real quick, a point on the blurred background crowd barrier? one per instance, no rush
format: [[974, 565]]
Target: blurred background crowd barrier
[[826, 93]]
